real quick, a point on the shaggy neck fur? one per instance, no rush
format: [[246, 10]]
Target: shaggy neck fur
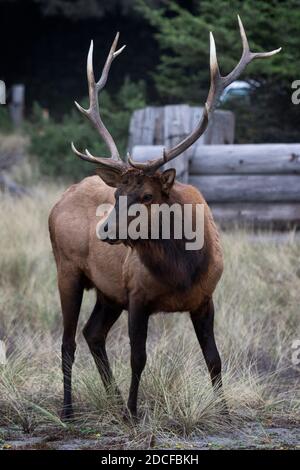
[[170, 263]]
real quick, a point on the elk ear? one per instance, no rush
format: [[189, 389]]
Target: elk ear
[[167, 179], [110, 176]]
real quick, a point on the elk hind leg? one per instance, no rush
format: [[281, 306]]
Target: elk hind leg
[[103, 317], [71, 292], [203, 322]]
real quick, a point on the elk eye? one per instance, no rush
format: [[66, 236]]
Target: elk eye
[[147, 197]]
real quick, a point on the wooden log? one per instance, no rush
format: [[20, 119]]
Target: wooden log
[[16, 106], [142, 153], [167, 125], [146, 126], [3, 358], [220, 129], [248, 188], [2, 92], [246, 159], [278, 215], [177, 125]]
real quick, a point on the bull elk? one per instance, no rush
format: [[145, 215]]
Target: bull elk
[[141, 276]]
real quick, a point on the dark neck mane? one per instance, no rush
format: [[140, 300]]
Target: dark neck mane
[[169, 262]]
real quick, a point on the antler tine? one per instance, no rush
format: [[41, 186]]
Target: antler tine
[[243, 36], [101, 162], [93, 112], [111, 56], [217, 85], [247, 57]]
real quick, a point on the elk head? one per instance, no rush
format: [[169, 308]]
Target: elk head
[[142, 182]]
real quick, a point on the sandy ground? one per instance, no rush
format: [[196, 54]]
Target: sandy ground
[[254, 436]]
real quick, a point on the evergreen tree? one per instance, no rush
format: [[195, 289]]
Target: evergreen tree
[[183, 72]]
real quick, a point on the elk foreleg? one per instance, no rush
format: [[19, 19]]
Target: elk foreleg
[[137, 327]]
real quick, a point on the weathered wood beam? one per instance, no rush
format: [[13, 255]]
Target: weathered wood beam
[[248, 188], [277, 215], [246, 159]]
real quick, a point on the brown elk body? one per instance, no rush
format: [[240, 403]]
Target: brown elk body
[[141, 276]]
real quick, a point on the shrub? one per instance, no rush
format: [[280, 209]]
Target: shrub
[[5, 121]]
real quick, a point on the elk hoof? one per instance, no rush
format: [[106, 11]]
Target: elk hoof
[[129, 417]]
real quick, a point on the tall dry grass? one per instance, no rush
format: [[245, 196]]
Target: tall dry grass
[[257, 319]]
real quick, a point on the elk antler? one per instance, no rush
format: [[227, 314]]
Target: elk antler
[[93, 112], [217, 84]]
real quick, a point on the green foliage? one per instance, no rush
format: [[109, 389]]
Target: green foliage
[[266, 117], [5, 121], [183, 72], [85, 9], [50, 139], [184, 41]]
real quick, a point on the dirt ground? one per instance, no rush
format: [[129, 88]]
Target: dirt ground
[[254, 436]]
